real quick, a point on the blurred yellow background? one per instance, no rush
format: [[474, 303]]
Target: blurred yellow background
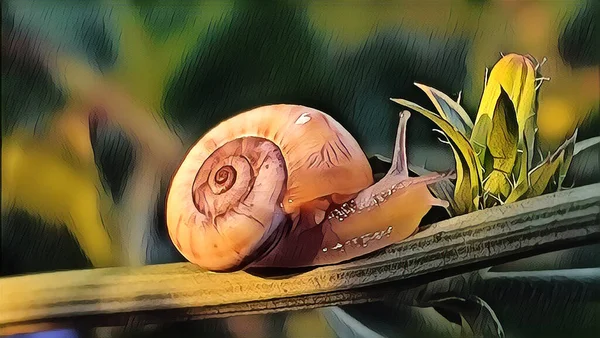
[[163, 74], [100, 99]]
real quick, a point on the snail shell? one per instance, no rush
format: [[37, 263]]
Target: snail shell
[[273, 185]]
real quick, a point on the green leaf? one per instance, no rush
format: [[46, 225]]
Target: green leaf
[[397, 319], [522, 163], [539, 177], [468, 182], [478, 139], [565, 163], [582, 145], [449, 109], [344, 325], [502, 142], [527, 142], [514, 74], [466, 194], [574, 166], [30, 97], [503, 137], [466, 330], [443, 189], [480, 319], [585, 167], [498, 185]]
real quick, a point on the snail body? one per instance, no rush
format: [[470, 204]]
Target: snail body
[[287, 186]]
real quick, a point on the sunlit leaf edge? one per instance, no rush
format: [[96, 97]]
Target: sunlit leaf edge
[[466, 151]]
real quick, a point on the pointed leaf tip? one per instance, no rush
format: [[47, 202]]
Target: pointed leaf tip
[[449, 109]]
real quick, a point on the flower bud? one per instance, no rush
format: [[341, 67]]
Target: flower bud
[[504, 131], [516, 75]]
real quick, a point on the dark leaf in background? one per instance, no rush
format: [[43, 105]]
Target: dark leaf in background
[[476, 317], [550, 303], [79, 28], [162, 21], [345, 325], [575, 258], [579, 43], [584, 168], [435, 310], [161, 249], [561, 299], [29, 95], [272, 54], [403, 321], [379, 165], [263, 54], [30, 245], [114, 154]]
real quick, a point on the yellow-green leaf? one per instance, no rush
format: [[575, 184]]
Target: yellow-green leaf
[[37, 179], [468, 182], [497, 184], [502, 146], [503, 138], [449, 109], [146, 64], [516, 74], [565, 163], [522, 164], [479, 137], [527, 140], [466, 195], [539, 177]]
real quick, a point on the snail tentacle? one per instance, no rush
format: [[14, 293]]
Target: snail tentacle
[[397, 177], [399, 159]]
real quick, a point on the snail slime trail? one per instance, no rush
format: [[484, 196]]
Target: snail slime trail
[[288, 186]]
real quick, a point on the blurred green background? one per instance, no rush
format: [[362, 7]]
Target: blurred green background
[[100, 100]]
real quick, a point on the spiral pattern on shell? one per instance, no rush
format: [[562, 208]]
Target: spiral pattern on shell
[[233, 196]]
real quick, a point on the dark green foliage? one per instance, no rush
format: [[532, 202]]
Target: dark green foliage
[[585, 168], [549, 306], [114, 154], [31, 245], [271, 54], [561, 300], [74, 27], [162, 20], [30, 30], [29, 95], [579, 42], [161, 248], [574, 258]]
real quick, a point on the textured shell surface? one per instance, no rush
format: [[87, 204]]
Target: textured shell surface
[[321, 157]]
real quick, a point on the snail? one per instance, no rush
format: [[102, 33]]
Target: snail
[[287, 186]]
